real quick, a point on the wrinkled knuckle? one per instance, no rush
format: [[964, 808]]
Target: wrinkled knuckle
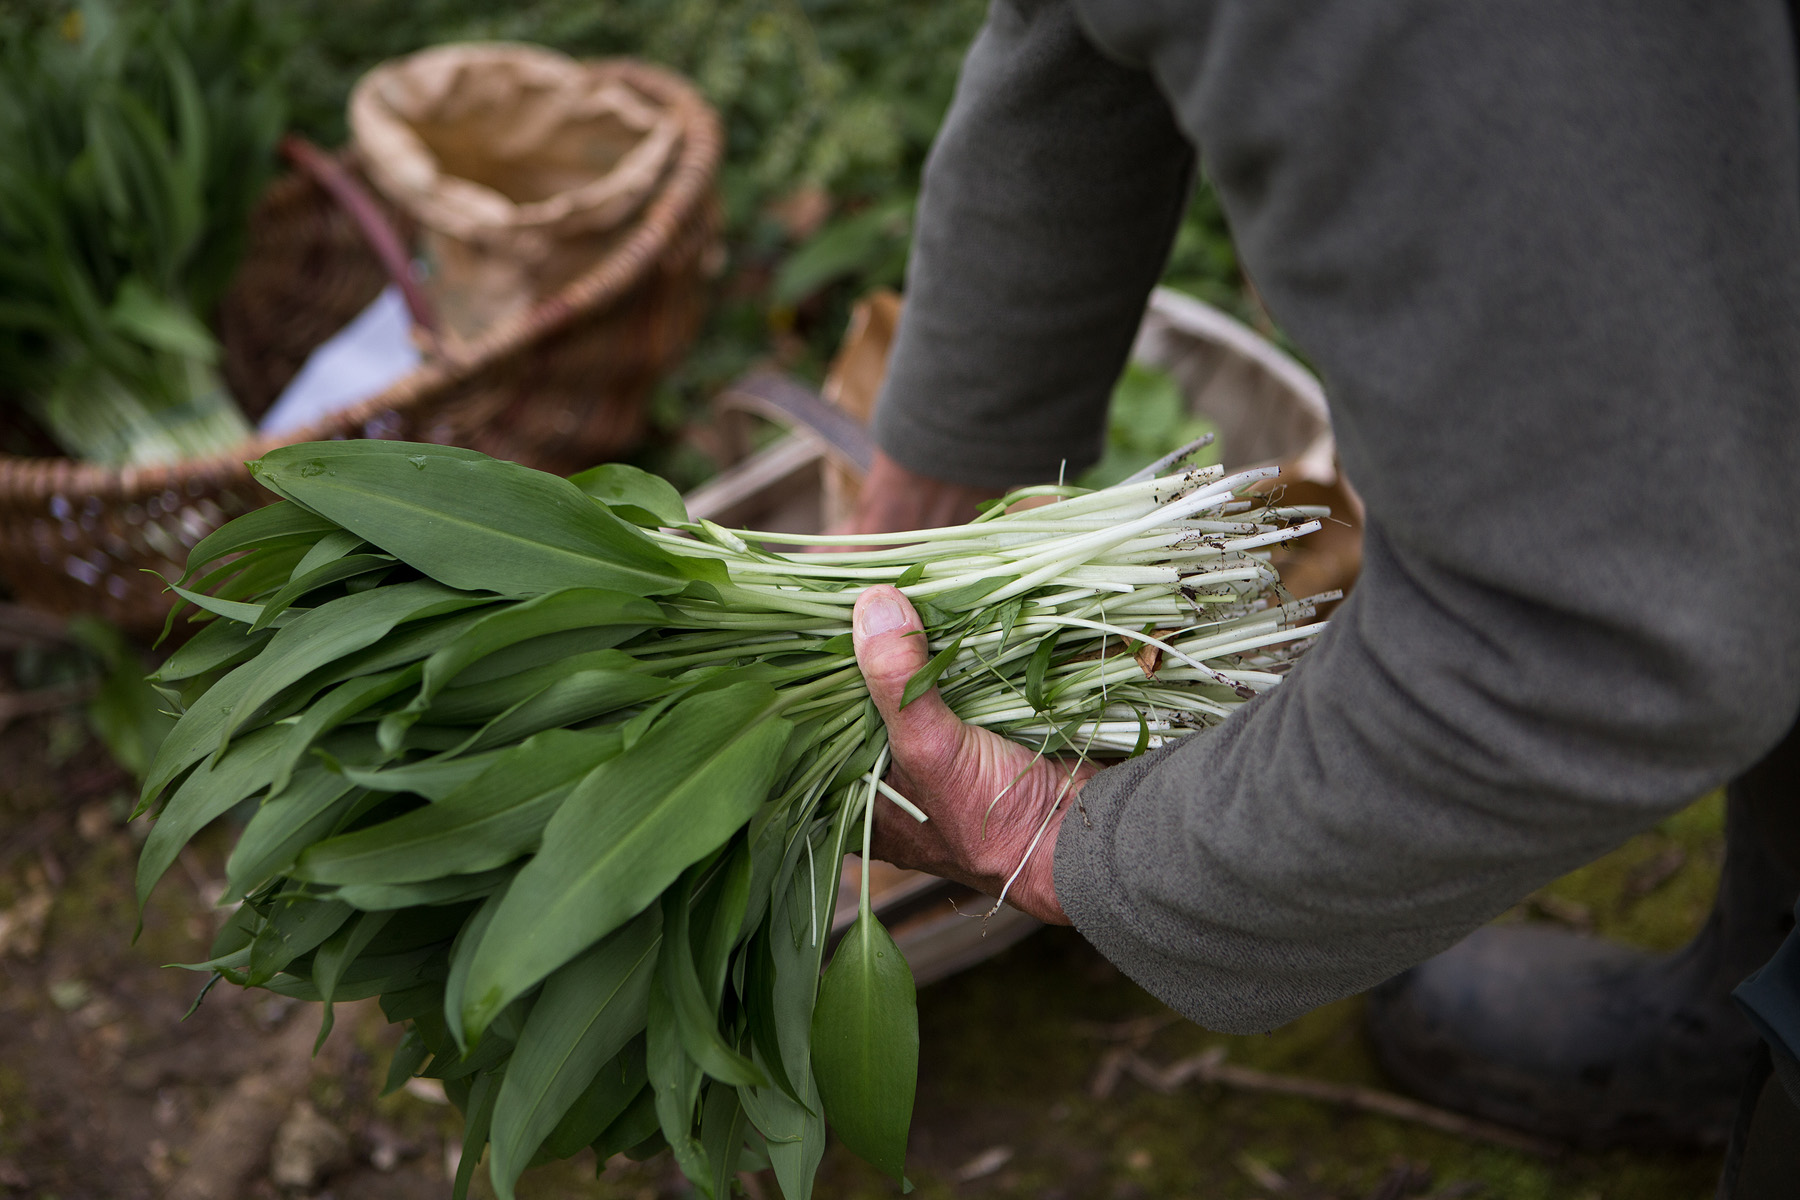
[[889, 660], [929, 749]]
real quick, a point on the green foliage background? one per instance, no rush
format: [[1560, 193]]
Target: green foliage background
[[841, 96]]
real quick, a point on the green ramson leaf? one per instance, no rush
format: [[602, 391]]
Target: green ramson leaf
[[548, 650], [286, 824], [409, 1056], [722, 1130], [204, 796], [753, 1152], [696, 1019], [294, 927], [231, 610], [462, 954], [478, 1114], [1009, 617], [866, 1045], [621, 614], [472, 522], [718, 925], [190, 115], [614, 1090], [963, 599], [479, 703], [1034, 671], [576, 697], [587, 1012], [277, 524], [926, 677], [243, 577], [637, 496], [323, 635], [450, 890], [328, 549], [422, 1001], [201, 730], [335, 954], [336, 571], [676, 1080], [496, 1046], [629, 829], [487, 823], [218, 644], [432, 778], [796, 1132], [239, 931], [759, 1011], [411, 642], [369, 976], [634, 1130], [333, 708]]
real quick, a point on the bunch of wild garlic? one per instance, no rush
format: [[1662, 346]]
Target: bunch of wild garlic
[[134, 140], [565, 777]]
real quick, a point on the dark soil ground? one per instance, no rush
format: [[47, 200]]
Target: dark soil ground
[[106, 1093]]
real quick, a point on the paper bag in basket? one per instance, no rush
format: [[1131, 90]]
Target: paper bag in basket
[[522, 167]]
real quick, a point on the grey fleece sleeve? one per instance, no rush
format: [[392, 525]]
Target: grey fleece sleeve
[[1547, 258], [1050, 200]]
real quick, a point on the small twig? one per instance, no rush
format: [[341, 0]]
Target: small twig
[[1137, 1031], [1576, 916], [1211, 1067], [53, 871], [1403, 1179], [1108, 1074], [1262, 1174], [1650, 875]]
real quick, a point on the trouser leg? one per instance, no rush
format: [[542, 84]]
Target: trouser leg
[[1763, 1160]]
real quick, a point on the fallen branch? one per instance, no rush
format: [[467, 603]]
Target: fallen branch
[[1211, 1067]]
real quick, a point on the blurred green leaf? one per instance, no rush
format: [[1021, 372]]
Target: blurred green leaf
[[126, 713], [871, 246], [1149, 418]]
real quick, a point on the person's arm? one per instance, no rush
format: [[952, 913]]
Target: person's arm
[[1050, 200], [1547, 259]]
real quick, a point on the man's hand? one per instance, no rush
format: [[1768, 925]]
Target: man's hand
[[894, 499], [956, 773]]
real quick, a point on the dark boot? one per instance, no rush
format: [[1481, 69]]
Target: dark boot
[[1592, 1042]]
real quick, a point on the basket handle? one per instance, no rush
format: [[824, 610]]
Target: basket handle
[[376, 229]]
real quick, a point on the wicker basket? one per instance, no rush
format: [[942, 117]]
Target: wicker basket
[[559, 388]]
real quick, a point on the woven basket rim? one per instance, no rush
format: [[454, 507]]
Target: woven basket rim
[[689, 182]]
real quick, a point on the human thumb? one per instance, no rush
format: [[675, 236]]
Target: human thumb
[[890, 649]]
